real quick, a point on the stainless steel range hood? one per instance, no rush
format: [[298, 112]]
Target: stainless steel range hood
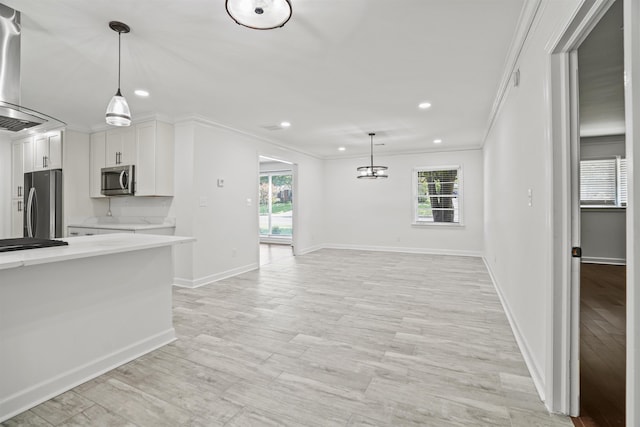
[[14, 117]]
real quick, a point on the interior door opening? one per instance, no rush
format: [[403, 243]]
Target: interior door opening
[[600, 206], [276, 209]]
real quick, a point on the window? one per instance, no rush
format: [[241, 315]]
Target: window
[[603, 182], [437, 195]]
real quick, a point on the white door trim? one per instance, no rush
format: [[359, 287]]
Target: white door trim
[[562, 391], [632, 109]]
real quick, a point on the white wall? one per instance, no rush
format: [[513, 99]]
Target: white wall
[[224, 220], [378, 214], [517, 157], [603, 231], [75, 177], [5, 186]]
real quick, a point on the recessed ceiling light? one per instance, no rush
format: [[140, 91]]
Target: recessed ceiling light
[[424, 105], [341, 148], [285, 124], [437, 141], [141, 92]]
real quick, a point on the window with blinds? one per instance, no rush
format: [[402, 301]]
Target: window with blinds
[[437, 195], [603, 182]]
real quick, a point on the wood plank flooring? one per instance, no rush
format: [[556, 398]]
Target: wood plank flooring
[[602, 345], [331, 338]]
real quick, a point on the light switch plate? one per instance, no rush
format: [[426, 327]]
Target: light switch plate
[[220, 182]]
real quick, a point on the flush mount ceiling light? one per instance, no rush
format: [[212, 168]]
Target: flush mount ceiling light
[[371, 171], [118, 113], [259, 14], [424, 105]]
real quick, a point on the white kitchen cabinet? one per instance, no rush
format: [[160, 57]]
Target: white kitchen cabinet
[[97, 158], [17, 215], [154, 169], [17, 169], [27, 152], [148, 146], [47, 151], [120, 147]]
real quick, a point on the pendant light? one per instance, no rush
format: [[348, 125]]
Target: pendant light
[[259, 14], [118, 113], [371, 171]]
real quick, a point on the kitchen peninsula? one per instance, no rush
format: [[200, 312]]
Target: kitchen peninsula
[[70, 313]]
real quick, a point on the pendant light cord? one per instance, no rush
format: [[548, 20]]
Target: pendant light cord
[[371, 151], [119, 56]]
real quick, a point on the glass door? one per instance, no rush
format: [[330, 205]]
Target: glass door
[[276, 205]]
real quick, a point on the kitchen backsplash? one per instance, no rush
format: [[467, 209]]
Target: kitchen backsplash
[[140, 206]]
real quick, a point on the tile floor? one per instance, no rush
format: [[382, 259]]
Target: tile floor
[[332, 338]]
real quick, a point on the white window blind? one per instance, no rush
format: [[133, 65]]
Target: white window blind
[[603, 182], [437, 195], [622, 180]]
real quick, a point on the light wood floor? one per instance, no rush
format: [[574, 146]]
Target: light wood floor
[[332, 338], [270, 252], [602, 345]]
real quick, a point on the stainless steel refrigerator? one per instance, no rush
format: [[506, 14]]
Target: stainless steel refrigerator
[[43, 204]]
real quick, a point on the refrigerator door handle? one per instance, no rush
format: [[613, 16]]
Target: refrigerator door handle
[[32, 192]]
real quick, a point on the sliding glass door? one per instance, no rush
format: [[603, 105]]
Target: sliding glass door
[[276, 205]]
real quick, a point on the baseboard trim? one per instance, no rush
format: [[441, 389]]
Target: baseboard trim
[[308, 250], [602, 260], [196, 283], [26, 399], [534, 369], [426, 251]]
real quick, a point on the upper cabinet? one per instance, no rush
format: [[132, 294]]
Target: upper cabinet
[[41, 152], [120, 146], [17, 169], [147, 145], [154, 168], [47, 151]]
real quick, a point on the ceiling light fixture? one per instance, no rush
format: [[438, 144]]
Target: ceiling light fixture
[[141, 93], [118, 113], [437, 141], [259, 14], [285, 124], [371, 171], [341, 148], [424, 105]]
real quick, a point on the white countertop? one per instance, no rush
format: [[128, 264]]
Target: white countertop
[[126, 227], [88, 246]]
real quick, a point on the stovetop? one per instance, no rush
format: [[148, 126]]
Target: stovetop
[[23, 243]]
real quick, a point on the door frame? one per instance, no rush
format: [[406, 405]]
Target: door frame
[[563, 376], [294, 206]]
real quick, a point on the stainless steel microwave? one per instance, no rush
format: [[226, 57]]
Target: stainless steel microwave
[[118, 181]]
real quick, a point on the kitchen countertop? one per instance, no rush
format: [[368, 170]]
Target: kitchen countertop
[[119, 226], [88, 246]]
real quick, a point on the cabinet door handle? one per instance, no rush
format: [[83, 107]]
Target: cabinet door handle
[[19, 205], [73, 233], [46, 161], [19, 190]]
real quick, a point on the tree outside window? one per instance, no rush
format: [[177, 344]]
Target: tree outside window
[[437, 195]]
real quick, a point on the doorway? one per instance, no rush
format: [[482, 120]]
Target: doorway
[[602, 201], [276, 209]]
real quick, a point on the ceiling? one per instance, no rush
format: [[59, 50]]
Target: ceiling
[[337, 70], [601, 76]]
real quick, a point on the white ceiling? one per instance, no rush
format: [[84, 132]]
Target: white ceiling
[[337, 70]]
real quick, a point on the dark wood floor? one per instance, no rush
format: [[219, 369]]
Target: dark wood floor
[[602, 346]]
